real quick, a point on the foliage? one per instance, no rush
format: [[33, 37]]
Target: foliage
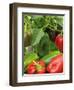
[[41, 44], [44, 45], [36, 36]]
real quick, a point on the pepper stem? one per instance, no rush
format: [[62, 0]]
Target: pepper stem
[[38, 66]]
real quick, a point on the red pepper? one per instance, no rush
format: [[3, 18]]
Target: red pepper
[[59, 42], [31, 68], [56, 64]]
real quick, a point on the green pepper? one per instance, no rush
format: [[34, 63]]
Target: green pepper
[[28, 58], [48, 57]]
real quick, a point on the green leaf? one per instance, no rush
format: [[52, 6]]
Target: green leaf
[[43, 46], [39, 21], [36, 36], [27, 23], [52, 46]]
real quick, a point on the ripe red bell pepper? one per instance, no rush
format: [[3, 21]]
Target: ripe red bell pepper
[[31, 68], [56, 64]]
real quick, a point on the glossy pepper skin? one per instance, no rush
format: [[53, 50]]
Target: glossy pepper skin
[[56, 64], [59, 42], [31, 69]]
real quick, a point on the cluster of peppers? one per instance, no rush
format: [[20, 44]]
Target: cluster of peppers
[[51, 63]]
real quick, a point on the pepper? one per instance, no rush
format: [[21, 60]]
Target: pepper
[[48, 57]]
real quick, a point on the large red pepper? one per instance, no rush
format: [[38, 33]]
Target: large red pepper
[[56, 64]]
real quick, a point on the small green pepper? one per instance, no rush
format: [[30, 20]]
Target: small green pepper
[[48, 57]]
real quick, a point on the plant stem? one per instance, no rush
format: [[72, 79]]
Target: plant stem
[[55, 29], [61, 31], [35, 63]]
